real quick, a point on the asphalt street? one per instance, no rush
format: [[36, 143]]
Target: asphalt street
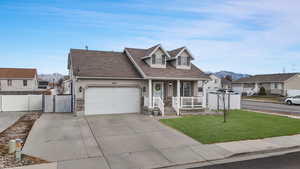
[[272, 107], [287, 161]]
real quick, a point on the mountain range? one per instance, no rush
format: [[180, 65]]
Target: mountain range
[[220, 74], [234, 76]]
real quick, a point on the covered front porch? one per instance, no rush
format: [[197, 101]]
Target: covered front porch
[[175, 94]]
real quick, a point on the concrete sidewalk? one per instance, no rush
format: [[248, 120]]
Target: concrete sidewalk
[[9, 118], [131, 141]]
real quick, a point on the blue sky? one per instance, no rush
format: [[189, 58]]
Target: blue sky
[[255, 37]]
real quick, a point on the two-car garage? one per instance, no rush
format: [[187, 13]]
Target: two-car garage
[[112, 100]]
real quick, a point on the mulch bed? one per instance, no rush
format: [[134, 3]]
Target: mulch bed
[[20, 129]]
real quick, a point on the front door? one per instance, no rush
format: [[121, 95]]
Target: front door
[[158, 89]]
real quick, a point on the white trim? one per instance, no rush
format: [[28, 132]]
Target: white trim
[[174, 78], [117, 78], [159, 46], [180, 52], [135, 64]]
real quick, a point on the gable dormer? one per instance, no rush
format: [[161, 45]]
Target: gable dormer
[[181, 58], [156, 57]]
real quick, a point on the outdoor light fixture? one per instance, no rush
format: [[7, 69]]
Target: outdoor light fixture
[[80, 89]]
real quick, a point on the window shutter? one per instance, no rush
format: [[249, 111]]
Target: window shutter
[[179, 60], [153, 58]]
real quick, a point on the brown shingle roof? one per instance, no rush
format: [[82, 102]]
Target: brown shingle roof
[[280, 77], [168, 72], [90, 63], [17, 73], [174, 52]]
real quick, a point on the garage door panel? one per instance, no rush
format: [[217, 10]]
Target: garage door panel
[[107, 100]]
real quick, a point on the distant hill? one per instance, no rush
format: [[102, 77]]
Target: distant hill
[[235, 76], [50, 77]]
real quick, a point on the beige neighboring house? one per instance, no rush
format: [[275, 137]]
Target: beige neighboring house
[[286, 84], [133, 80], [13, 80], [213, 84]]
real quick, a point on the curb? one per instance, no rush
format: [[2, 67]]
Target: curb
[[237, 155], [262, 101]]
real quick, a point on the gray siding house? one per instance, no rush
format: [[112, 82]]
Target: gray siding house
[[130, 81]]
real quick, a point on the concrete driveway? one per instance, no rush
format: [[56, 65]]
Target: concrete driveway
[[9, 118], [128, 141]]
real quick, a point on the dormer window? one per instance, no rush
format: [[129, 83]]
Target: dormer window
[[158, 59], [183, 61]]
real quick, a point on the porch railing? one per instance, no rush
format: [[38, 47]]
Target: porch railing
[[186, 103], [158, 103], [176, 104], [191, 102]]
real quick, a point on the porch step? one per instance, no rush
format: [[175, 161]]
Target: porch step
[[168, 102], [192, 111], [169, 110]]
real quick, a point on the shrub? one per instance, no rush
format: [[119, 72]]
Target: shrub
[[262, 91]]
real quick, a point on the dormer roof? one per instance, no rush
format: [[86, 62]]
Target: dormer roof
[[149, 52], [177, 52]]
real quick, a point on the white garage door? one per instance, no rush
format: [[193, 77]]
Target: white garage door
[[112, 100]]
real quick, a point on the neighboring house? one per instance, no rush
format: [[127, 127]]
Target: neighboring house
[[278, 84], [43, 84], [107, 82], [67, 85], [213, 84], [17, 79], [226, 84]]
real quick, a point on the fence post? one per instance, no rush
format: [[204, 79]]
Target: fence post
[[0, 103], [192, 102], [54, 103]]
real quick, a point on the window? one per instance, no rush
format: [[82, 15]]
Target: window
[[187, 88], [159, 59], [186, 61], [24, 82], [154, 59], [9, 82], [275, 85]]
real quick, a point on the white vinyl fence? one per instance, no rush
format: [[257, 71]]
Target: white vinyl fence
[[57, 103], [21, 102], [215, 101], [293, 92]]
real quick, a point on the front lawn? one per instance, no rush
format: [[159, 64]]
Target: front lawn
[[240, 125]]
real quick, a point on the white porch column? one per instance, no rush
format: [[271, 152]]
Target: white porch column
[[178, 88], [178, 97], [150, 92]]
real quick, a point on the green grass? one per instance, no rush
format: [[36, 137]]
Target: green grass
[[240, 125]]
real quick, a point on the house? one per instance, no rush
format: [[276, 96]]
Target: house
[[14, 80], [43, 84], [277, 84], [213, 84], [108, 82], [226, 83]]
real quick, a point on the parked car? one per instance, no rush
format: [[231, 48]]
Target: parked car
[[293, 100]]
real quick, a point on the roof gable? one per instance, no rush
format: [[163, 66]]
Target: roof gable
[[149, 52]]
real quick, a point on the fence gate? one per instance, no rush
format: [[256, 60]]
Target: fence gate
[[57, 103]]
